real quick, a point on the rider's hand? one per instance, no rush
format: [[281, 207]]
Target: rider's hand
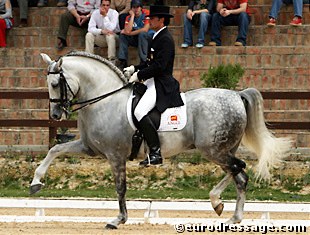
[[134, 78], [130, 70]]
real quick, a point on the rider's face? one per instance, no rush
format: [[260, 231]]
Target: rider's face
[[156, 23]]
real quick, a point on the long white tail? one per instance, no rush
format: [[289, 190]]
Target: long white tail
[[257, 138]]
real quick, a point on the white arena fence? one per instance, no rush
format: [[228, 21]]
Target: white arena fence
[[151, 210]]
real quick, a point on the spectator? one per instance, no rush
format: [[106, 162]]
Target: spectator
[[78, 15], [60, 3], [230, 12], [135, 33], [6, 20], [122, 7], [102, 29], [275, 8], [199, 14]]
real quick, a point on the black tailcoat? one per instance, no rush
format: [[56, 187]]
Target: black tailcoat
[[160, 66]]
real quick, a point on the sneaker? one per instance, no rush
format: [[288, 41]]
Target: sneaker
[[184, 45], [238, 44], [297, 21], [61, 4], [271, 22], [61, 44], [212, 44], [23, 23], [41, 4], [199, 45]]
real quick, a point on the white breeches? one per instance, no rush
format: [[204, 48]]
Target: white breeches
[[109, 41], [148, 100]]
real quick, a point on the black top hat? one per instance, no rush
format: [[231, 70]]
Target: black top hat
[[162, 11]]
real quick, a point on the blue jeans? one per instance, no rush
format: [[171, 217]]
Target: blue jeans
[[203, 27], [277, 4], [140, 41], [242, 20]]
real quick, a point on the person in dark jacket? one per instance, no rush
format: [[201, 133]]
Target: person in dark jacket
[[163, 90]]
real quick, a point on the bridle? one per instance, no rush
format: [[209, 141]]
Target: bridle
[[66, 105]]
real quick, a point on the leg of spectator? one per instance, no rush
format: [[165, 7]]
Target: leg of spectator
[[243, 26], [203, 27], [188, 34], [123, 47], [111, 43], [275, 8], [66, 20], [2, 33], [23, 9], [89, 42], [216, 29], [143, 46], [298, 7]]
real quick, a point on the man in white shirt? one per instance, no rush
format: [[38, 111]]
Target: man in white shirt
[[102, 29]]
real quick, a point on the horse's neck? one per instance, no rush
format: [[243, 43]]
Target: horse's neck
[[102, 83]]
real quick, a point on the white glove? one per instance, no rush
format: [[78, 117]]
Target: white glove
[[134, 78], [130, 69]]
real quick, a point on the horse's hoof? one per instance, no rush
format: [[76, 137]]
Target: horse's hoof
[[35, 188], [110, 226], [233, 221], [219, 209]]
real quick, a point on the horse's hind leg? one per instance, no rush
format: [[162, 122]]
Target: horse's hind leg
[[215, 194], [241, 180], [118, 166]]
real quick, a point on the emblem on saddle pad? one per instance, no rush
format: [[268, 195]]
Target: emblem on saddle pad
[[173, 119]]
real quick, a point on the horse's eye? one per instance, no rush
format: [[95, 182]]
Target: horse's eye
[[54, 85]]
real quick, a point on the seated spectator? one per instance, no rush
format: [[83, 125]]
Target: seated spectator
[[275, 8], [122, 7], [135, 33], [44, 3], [230, 12], [102, 29], [6, 20], [78, 15], [199, 14]]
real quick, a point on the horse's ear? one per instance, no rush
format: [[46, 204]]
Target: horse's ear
[[59, 63], [46, 58]]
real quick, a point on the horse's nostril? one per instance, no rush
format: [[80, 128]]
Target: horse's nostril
[[55, 116]]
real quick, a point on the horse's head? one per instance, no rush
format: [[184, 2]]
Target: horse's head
[[61, 87]]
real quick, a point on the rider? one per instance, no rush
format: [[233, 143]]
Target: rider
[[163, 90]]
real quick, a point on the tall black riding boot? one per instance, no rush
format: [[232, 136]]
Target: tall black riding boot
[[136, 141], [151, 136]]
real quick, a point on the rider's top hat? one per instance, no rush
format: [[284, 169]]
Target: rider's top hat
[[161, 11]]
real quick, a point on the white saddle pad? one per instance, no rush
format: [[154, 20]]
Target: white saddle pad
[[173, 119]]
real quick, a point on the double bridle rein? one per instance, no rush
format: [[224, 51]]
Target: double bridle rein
[[67, 104]]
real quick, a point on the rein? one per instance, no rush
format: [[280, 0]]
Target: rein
[[96, 99], [65, 104]]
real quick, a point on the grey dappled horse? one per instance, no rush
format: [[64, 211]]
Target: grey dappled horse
[[218, 120]]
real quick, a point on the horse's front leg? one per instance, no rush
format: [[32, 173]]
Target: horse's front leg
[[119, 171], [70, 147]]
